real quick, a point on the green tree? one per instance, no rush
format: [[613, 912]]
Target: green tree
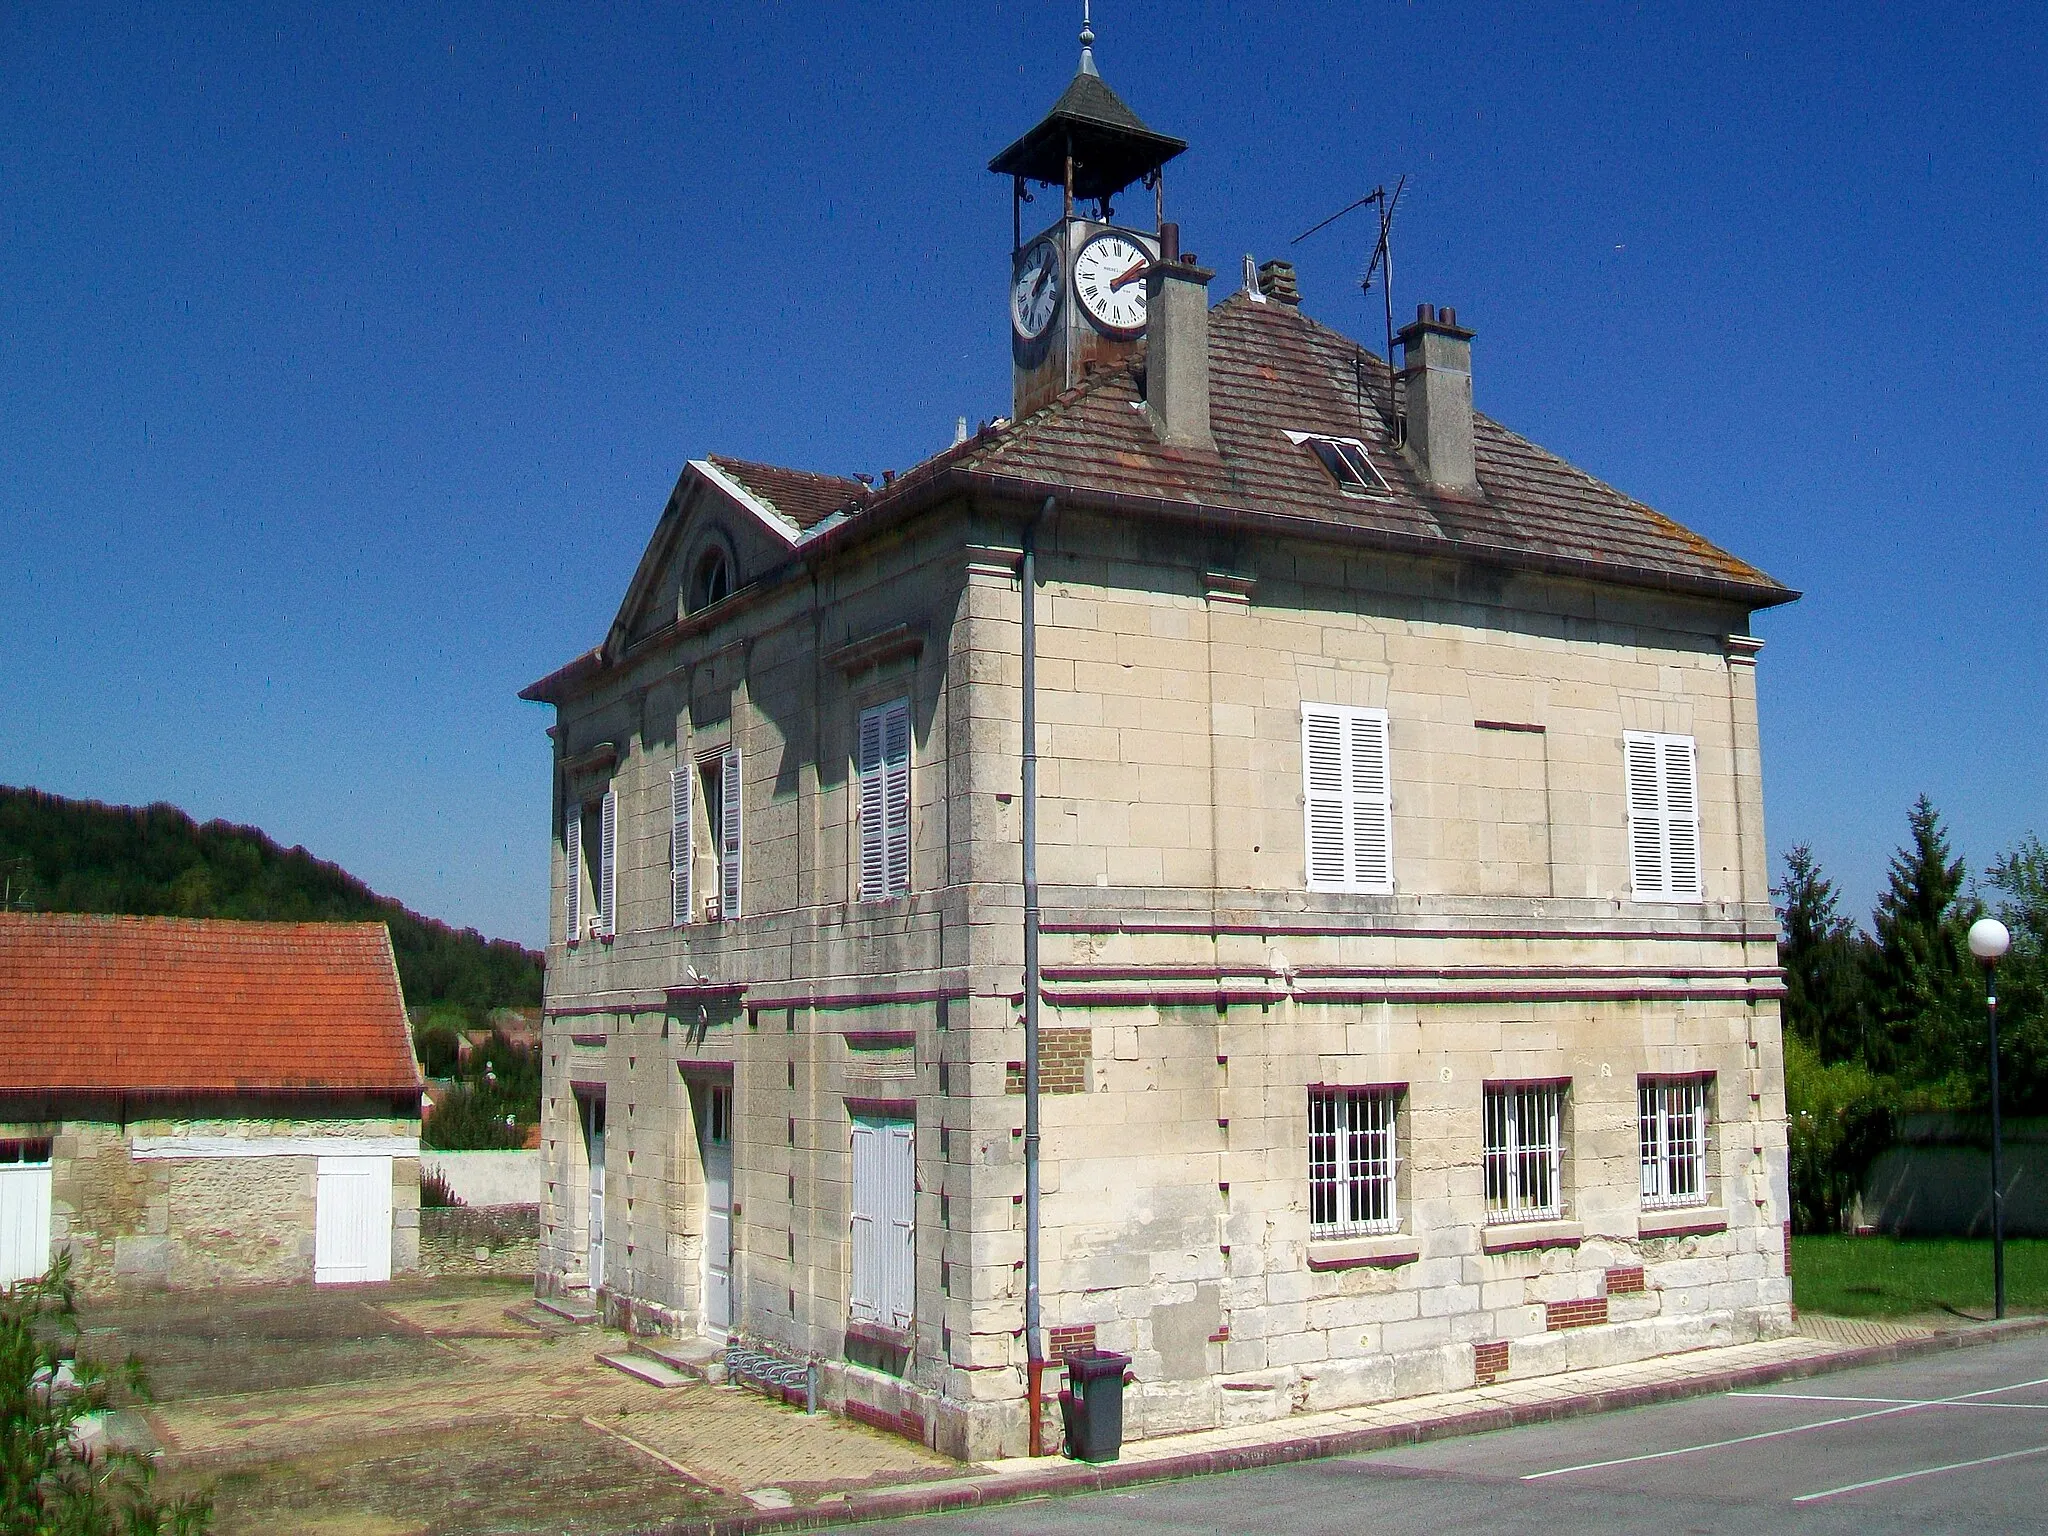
[[1925, 998], [1820, 951], [1839, 1117], [51, 1484], [2021, 878]]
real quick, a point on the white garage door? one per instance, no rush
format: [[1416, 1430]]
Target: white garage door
[[352, 1221], [24, 1210]]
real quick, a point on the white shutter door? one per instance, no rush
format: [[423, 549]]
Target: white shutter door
[[679, 831], [1322, 775], [352, 1220], [896, 796], [1681, 817], [572, 857], [24, 1221], [729, 834], [873, 797], [608, 863], [1645, 815], [864, 1294], [901, 1238], [1372, 802]]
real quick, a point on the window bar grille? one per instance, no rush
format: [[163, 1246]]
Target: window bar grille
[[1352, 1160], [1674, 1142], [1524, 1152]]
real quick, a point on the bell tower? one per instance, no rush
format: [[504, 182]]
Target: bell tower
[[1077, 287]]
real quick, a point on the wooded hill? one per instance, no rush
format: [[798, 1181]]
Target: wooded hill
[[59, 855]]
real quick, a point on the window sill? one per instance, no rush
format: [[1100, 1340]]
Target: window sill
[[877, 1333], [1521, 1236], [1388, 1251], [1683, 1221]]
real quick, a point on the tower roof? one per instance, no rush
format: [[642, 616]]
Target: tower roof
[[1111, 146]]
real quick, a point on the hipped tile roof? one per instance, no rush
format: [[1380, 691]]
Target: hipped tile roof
[[163, 1005]]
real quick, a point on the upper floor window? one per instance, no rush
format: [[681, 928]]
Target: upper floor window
[[1348, 462], [711, 580], [1672, 1114], [591, 882], [1347, 799], [1351, 1161], [1663, 816], [883, 772], [719, 774], [1523, 1151]]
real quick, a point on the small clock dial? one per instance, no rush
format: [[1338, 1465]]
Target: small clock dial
[[1035, 291], [1109, 280]]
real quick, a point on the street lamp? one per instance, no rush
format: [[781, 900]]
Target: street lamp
[[1988, 942]]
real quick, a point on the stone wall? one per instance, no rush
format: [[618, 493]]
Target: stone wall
[[192, 1221]]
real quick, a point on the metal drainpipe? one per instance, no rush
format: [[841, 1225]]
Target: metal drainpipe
[[1034, 1354]]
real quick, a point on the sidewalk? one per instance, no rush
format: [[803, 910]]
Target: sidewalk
[[1823, 1344]]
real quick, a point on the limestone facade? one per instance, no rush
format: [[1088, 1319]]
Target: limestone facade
[[1195, 990]]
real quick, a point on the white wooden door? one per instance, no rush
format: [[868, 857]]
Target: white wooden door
[[884, 1222], [593, 1133], [352, 1220], [714, 1141], [24, 1210]]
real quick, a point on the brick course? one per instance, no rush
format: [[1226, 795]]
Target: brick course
[[1624, 1279], [1489, 1360], [1071, 1340], [1064, 1057], [1558, 1315]]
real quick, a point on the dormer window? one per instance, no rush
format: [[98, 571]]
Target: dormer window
[[712, 579], [1347, 461]]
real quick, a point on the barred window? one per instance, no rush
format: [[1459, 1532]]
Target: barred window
[[1673, 1118], [1524, 1151], [1351, 1161]]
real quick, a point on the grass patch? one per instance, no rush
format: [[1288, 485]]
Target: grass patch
[[1902, 1277]]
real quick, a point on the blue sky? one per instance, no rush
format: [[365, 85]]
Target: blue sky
[[347, 355]]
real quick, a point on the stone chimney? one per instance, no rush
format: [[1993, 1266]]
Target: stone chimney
[[1177, 346], [1436, 374], [1276, 282]]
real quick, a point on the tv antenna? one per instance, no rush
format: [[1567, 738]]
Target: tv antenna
[[1381, 262]]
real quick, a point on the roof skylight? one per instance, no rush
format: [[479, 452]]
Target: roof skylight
[[1347, 461]]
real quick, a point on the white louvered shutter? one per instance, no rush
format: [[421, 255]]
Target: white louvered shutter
[[679, 850], [1645, 815], [1663, 816], [730, 840], [1347, 799], [873, 795], [884, 775], [572, 860], [864, 1295], [1372, 801], [608, 863], [1681, 817], [899, 1269]]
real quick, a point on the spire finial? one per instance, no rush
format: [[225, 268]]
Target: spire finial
[[1087, 42]]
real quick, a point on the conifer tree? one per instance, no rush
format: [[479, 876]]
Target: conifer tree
[[1819, 951], [1925, 998]]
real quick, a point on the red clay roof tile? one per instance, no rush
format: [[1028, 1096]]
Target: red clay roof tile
[[93, 1003]]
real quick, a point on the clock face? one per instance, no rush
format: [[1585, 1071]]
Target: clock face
[[1035, 290], [1109, 280]]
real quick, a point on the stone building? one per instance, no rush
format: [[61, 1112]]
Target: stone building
[[1408, 986], [194, 1103]]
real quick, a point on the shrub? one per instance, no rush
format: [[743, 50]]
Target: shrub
[[435, 1193], [1840, 1117], [50, 1483]]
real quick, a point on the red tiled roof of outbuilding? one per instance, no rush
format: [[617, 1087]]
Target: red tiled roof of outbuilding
[[165, 1005]]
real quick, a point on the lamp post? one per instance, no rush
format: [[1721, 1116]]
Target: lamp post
[[1989, 942]]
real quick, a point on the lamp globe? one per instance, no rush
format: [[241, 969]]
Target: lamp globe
[[1988, 940]]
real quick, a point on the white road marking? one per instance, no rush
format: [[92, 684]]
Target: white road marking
[[1779, 1434], [1904, 1402], [1906, 1477]]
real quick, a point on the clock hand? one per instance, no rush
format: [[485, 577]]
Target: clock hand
[[1137, 271]]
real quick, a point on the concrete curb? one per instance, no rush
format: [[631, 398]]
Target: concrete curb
[[1066, 1477]]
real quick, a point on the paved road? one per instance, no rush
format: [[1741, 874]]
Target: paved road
[[1957, 1441]]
